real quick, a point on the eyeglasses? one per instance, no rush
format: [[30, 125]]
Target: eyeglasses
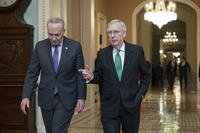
[[114, 32]]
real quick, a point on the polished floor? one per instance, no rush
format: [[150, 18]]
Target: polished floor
[[163, 111]]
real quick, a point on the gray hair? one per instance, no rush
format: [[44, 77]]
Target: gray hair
[[121, 24], [56, 20]]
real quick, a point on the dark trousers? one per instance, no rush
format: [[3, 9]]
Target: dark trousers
[[159, 81], [58, 119], [183, 77], [129, 122], [170, 79]]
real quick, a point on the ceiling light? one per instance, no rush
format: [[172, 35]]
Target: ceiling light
[[158, 14], [170, 38]]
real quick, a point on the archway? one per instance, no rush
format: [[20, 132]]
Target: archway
[[145, 38]]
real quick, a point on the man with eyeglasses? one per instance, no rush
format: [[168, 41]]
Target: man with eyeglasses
[[116, 72], [61, 88]]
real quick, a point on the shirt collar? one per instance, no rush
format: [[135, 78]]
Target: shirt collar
[[58, 45], [122, 49]]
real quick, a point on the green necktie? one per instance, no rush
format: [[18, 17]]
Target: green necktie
[[118, 64]]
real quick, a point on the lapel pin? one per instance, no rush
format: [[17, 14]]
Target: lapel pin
[[66, 48]]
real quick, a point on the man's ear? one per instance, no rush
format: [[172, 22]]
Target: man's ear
[[124, 34]]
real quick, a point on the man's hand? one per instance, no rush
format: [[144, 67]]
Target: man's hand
[[80, 105], [24, 104], [87, 73], [138, 100]]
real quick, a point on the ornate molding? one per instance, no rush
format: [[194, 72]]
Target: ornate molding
[[43, 15], [11, 53]]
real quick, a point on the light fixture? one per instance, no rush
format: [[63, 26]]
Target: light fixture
[[170, 38], [176, 54], [160, 15]]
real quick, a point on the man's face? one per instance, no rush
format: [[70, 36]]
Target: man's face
[[55, 33], [115, 35]]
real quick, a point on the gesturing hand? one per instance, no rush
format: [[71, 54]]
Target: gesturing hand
[[87, 73]]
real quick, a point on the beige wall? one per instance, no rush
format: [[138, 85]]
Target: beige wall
[[123, 10], [100, 8], [74, 19]]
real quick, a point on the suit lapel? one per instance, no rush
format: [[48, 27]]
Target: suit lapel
[[64, 52], [127, 59], [111, 63], [49, 52]]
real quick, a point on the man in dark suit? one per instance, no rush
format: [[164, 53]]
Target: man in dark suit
[[184, 68], [171, 72], [120, 93], [57, 60]]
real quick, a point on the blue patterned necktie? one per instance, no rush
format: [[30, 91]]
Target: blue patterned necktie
[[118, 64], [55, 62], [55, 57]]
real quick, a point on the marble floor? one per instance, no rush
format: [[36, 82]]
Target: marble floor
[[163, 111]]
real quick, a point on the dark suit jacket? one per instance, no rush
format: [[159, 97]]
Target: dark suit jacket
[[171, 71], [183, 70], [69, 81], [128, 92]]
